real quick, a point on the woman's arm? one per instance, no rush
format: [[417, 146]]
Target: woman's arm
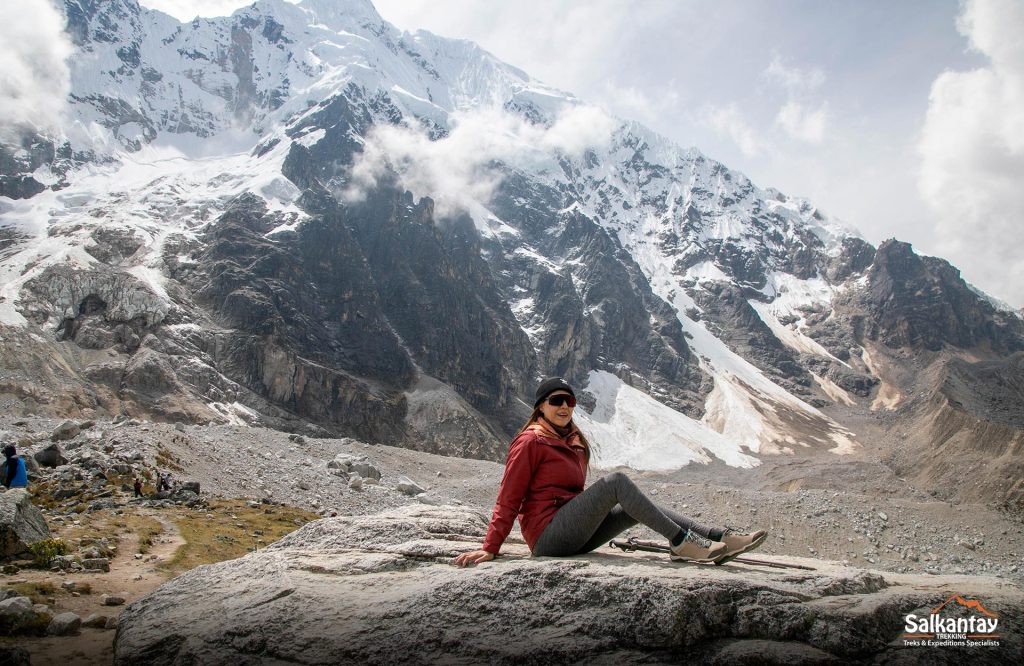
[[519, 468], [474, 557]]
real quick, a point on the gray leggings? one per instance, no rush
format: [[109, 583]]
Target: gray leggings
[[610, 506]]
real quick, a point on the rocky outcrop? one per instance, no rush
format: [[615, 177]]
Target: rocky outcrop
[[923, 303], [855, 256], [592, 308], [380, 590], [725, 307], [95, 308], [21, 523]]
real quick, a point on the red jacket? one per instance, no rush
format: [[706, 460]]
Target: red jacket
[[542, 473]]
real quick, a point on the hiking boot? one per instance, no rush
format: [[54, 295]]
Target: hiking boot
[[737, 543], [696, 548]]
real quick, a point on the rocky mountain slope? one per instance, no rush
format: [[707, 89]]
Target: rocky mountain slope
[[298, 216]]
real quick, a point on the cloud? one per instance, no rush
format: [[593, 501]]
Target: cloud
[[803, 123], [972, 153], [34, 76], [729, 121], [795, 79], [800, 118], [459, 169]]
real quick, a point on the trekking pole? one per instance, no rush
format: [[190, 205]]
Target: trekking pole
[[633, 544]]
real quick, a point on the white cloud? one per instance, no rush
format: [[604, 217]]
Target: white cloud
[[729, 121], [34, 77], [799, 117], [796, 79], [803, 123], [972, 152], [458, 169], [575, 130]]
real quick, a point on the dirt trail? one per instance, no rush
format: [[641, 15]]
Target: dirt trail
[[130, 577]]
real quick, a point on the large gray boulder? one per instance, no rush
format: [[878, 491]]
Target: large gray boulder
[[65, 624], [380, 590], [51, 456], [21, 523], [355, 464], [68, 429]]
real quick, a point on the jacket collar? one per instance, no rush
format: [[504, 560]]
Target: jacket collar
[[571, 440]]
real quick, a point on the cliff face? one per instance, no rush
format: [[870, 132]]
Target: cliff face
[[923, 303]]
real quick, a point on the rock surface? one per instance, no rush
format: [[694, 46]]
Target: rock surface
[[379, 589], [21, 523], [65, 624]]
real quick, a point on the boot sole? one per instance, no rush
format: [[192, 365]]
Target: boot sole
[[746, 549], [677, 558]]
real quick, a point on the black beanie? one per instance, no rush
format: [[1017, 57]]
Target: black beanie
[[549, 386]]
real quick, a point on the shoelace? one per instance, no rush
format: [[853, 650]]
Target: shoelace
[[733, 530], [703, 542]]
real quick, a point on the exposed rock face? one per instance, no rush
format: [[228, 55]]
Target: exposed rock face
[[379, 590], [597, 309], [727, 308], [922, 302], [103, 307], [21, 523]]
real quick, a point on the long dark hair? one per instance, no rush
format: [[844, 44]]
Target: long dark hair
[[536, 416]]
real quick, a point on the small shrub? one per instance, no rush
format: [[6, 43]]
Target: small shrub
[[47, 549]]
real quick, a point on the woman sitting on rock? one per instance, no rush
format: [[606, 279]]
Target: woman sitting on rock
[[543, 485]]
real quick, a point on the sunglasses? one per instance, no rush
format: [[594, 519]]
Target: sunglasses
[[559, 400]]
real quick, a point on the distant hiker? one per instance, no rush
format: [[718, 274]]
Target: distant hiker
[[165, 481], [543, 484], [13, 469], [138, 487]]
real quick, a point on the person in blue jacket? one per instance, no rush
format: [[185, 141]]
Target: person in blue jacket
[[14, 474]]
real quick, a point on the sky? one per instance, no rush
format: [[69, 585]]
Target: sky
[[902, 119]]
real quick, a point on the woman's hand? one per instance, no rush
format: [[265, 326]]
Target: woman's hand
[[472, 558]]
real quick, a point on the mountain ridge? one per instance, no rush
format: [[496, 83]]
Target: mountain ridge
[[502, 230]]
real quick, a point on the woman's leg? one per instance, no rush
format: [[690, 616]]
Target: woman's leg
[[577, 522], [687, 523], [618, 521]]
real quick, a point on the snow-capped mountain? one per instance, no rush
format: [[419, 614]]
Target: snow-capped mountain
[[300, 216]]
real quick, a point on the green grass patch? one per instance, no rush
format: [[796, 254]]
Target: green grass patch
[[209, 540]]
